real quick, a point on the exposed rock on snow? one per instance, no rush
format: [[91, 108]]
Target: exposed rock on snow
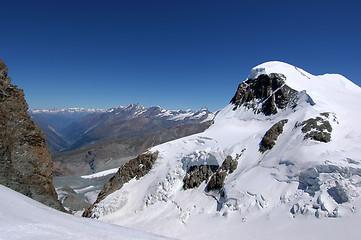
[[269, 139], [198, 174], [217, 174], [135, 168], [227, 167], [265, 94], [318, 129]]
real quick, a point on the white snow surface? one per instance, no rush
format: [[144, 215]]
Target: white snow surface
[[25, 219], [260, 193], [100, 174]]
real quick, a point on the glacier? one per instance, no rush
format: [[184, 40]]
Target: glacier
[[305, 182]]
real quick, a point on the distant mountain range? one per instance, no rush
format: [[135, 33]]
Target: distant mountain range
[[95, 139], [54, 122]]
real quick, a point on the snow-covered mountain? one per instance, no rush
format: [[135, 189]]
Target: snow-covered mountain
[[66, 110], [282, 159], [134, 110], [131, 121], [24, 218]]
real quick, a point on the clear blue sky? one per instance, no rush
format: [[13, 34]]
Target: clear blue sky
[[177, 54]]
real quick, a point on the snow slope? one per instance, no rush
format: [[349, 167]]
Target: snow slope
[[23, 218], [100, 174], [305, 186]]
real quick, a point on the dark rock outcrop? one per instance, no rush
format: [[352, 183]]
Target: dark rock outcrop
[[265, 94], [198, 174], [318, 129], [214, 173], [269, 139], [135, 168], [25, 161], [217, 180]]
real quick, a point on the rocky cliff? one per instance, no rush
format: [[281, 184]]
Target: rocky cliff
[[25, 161]]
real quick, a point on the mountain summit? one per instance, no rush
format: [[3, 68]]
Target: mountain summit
[[287, 148]]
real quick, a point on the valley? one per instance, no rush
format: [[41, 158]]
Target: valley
[[89, 141]]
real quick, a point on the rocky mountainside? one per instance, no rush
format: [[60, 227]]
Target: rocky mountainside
[[107, 139], [284, 152], [25, 162], [72, 128], [128, 122]]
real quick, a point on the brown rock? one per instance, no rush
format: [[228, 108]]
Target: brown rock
[[318, 129], [217, 180], [269, 139], [135, 168], [198, 174], [25, 162]]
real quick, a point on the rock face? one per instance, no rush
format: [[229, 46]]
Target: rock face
[[265, 94], [269, 139], [198, 174], [214, 173], [25, 161], [318, 129], [217, 180]]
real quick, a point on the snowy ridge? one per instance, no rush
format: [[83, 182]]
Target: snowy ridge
[[67, 110], [135, 110], [310, 168]]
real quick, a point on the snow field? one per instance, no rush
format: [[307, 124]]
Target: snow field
[[258, 197]]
